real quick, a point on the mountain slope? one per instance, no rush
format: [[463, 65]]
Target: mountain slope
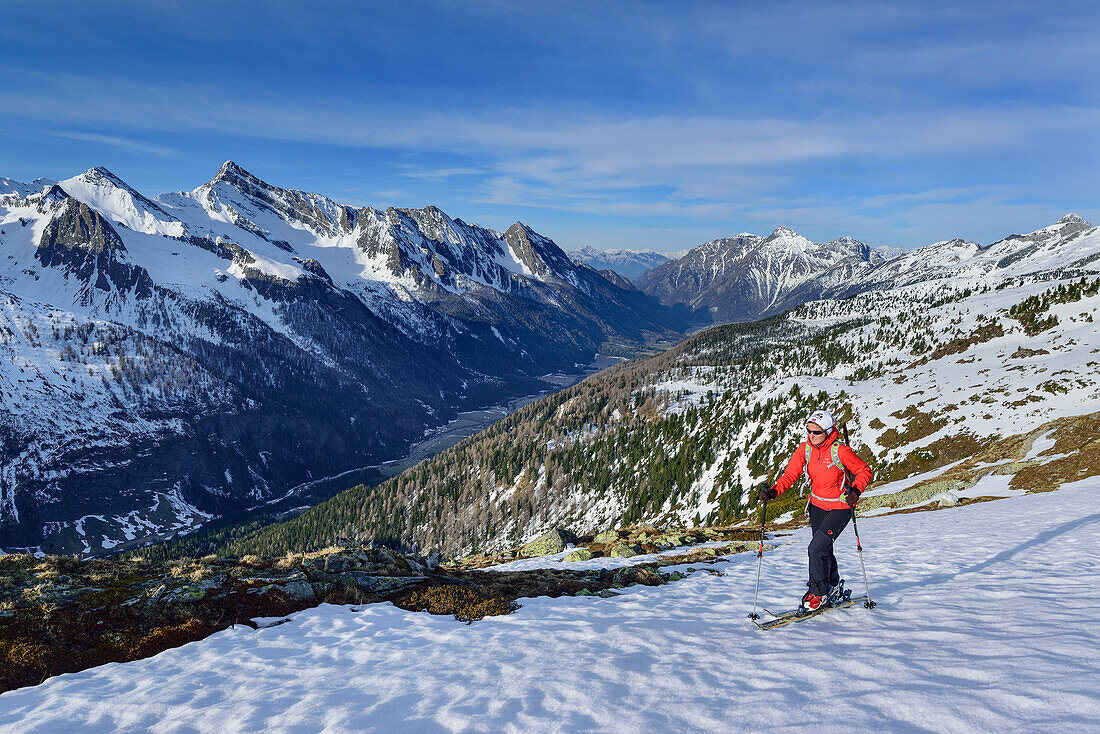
[[176, 358]]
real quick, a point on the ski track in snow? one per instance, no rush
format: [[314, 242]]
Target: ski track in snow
[[986, 622]]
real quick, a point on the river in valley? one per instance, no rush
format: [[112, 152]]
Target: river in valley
[[435, 440]]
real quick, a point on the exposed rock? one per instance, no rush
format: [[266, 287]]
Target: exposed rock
[[377, 584], [622, 550], [295, 590], [581, 554], [546, 544], [607, 537]]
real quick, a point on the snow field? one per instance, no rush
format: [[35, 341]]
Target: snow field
[[986, 621]]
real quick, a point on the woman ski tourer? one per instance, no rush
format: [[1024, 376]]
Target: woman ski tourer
[[837, 478]]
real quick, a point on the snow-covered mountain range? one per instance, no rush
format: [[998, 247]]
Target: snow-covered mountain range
[[627, 263], [750, 277], [169, 359]]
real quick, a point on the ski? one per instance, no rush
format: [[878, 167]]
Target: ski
[[838, 596], [794, 615]]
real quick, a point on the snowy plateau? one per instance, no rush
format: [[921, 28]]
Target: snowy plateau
[[168, 360]]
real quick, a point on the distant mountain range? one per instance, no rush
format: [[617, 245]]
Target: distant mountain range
[[167, 360], [749, 277], [627, 263]]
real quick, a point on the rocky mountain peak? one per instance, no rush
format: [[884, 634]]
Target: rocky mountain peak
[[99, 173], [1072, 218], [230, 170], [787, 236], [846, 240], [539, 254], [77, 226], [239, 178]]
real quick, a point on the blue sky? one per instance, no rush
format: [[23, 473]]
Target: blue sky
[[657, 125]]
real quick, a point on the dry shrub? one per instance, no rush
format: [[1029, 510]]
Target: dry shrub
[[466, 603]]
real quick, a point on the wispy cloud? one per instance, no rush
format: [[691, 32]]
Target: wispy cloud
[[134, 146], [444, 174], [733, 167]]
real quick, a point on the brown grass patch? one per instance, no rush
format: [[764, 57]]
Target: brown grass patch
[[936, 454], [917, 426]]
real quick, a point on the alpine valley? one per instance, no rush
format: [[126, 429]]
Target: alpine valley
[[964, 372], [169, 360], [199, 356]]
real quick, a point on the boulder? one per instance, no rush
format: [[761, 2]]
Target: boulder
[[192, 592], [622, 550], [377, 584], [296, 590], [607, 537], [581, 554], [547, 544]]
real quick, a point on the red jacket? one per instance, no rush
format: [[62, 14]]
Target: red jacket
[[826, 480]]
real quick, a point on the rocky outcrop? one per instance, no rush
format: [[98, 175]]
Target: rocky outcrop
[[59, 614], [83, 244]]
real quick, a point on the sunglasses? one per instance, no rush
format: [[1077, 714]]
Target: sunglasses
[[816, 433]]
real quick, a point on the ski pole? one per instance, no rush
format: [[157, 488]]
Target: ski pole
[[855, 529], [759, 560]]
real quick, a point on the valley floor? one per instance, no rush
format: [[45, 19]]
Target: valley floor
[[986, 622]]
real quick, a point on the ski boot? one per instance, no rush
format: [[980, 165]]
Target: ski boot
[[811, 602]]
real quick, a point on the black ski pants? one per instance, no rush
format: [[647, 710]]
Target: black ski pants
[[826, 526]]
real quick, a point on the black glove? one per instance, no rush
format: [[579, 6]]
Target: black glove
[[852, 496], [768, 493]]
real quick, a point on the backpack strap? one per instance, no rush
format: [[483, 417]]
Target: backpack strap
[[836, 456]]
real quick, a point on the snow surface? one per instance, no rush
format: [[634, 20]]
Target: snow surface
[[986, 622]]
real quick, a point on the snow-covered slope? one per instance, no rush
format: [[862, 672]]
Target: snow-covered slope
[[1053, 247], [627, 263], [981, 625], [182, 326]]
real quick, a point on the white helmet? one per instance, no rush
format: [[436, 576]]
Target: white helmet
[[822, 418]]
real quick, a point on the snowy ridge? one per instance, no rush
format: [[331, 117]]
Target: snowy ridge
[[748, 276]]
